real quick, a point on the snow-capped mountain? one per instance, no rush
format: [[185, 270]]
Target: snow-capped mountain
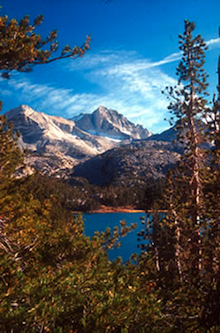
[[109, 123], [57, 144]]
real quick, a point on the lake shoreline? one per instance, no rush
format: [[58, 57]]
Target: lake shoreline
[[121, 209], [109, 209]]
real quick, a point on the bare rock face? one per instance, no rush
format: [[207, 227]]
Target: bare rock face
[[104, 147], [109, 123], [57, 144], [131, 164]]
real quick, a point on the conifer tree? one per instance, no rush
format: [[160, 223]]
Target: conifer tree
[[211, 315], [188, 107], [52, 277], [21, 48], [185, 243]]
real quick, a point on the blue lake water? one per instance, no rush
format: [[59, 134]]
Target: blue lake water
[[100, 221]]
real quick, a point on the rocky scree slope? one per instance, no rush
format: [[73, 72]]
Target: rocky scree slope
[[131, 164], [57, 144]]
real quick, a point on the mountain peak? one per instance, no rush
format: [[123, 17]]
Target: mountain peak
[[22, 109], [110, 123], [25, 109], [105, 112], [101, 109], [58, 144]]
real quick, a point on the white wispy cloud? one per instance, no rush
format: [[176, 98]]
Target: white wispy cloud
[[213, 43], [127, 82]]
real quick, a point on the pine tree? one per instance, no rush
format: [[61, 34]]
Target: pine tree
[[10, 153], [188, 107], [52, 277], [21, 48], [211, 314], [185, 243]]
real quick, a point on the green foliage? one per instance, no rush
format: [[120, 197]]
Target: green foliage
[[10, 154], [21, 48], [185, 209], [52, 277], [184, 243], [82, 196], [55, 279]]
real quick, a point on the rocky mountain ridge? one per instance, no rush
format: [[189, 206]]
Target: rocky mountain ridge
[[109, 123], [56, 144], [130, 165]]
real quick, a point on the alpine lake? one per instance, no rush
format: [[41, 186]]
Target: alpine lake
[[129, 243]]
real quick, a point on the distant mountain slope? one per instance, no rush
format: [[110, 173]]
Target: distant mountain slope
[[57, 144], [131, 164], [109, 123], [102, 147], [168, 135], [39, 131]]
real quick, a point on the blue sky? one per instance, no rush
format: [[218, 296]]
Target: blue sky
[[133, 56]]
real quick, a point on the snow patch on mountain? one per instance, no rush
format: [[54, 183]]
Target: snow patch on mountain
[[109, 123], [61, 143]]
